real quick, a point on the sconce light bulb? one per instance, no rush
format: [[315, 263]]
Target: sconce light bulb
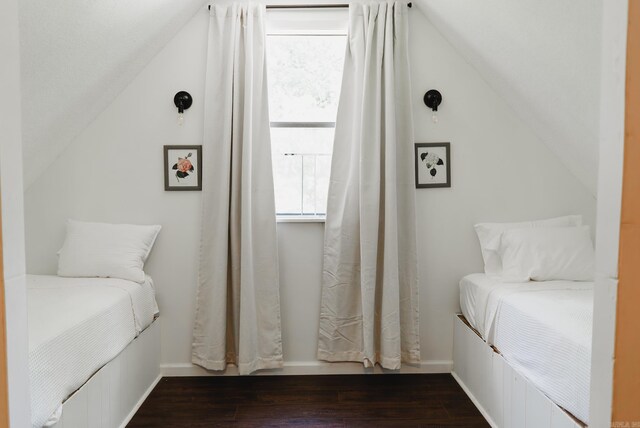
[[434, 117], [180, 119]]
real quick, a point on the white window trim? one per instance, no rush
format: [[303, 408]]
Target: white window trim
[[307, 22], [280, 218]]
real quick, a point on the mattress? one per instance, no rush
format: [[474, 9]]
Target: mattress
[[76, 326], [473, 288], [543, 329]]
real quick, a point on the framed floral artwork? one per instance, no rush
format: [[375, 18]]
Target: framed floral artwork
[[433, 165], [182, 167]]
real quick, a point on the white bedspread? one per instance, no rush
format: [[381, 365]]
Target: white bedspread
[[543, 329], [77, 325]]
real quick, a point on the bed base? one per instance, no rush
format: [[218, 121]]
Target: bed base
[[503, 396], [111, 397]]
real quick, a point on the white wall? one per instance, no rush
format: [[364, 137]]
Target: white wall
[[13, 246], [77, 56], [113, 172], [501, 172], [543, 58]]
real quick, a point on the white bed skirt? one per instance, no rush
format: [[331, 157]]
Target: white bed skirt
[[503, 396], [110, 398]]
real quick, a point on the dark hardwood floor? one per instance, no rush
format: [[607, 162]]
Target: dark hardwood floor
[[309, 401]]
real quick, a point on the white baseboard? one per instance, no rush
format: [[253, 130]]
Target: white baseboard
[[308, 368], [473, 399], [139, 403]]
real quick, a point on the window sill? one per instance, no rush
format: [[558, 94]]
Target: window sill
[[299, 219]]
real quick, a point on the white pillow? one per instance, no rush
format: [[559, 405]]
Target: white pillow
[[546, 254], [106, 250], [489, 236]]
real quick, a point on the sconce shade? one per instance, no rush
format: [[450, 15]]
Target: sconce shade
[[183, 101], [432, 99]]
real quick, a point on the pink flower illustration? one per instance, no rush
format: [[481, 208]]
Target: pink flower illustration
[[183, 167]]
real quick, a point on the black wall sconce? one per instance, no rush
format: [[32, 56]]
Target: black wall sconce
[[183, 101], [432, 99]]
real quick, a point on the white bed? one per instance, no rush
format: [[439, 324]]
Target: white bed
[[76, 326], [542, 329]]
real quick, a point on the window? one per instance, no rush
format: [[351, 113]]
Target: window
[[305, 73]]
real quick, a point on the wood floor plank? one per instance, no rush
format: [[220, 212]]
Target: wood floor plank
[[317, 397], [342, 401], [283, 423]]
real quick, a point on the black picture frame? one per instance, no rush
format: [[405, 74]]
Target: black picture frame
[[170, 165], [446, 162]]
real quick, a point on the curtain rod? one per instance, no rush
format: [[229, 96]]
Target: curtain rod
[[310, 6]]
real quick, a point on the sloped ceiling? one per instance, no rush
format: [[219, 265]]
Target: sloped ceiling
[[543, 58], [77, 56]]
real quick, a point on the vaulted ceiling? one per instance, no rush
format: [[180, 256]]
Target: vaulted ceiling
[[543, 58], [77, 56]]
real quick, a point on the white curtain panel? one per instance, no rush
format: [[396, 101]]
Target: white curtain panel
[[238, 306], [369, 310]]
